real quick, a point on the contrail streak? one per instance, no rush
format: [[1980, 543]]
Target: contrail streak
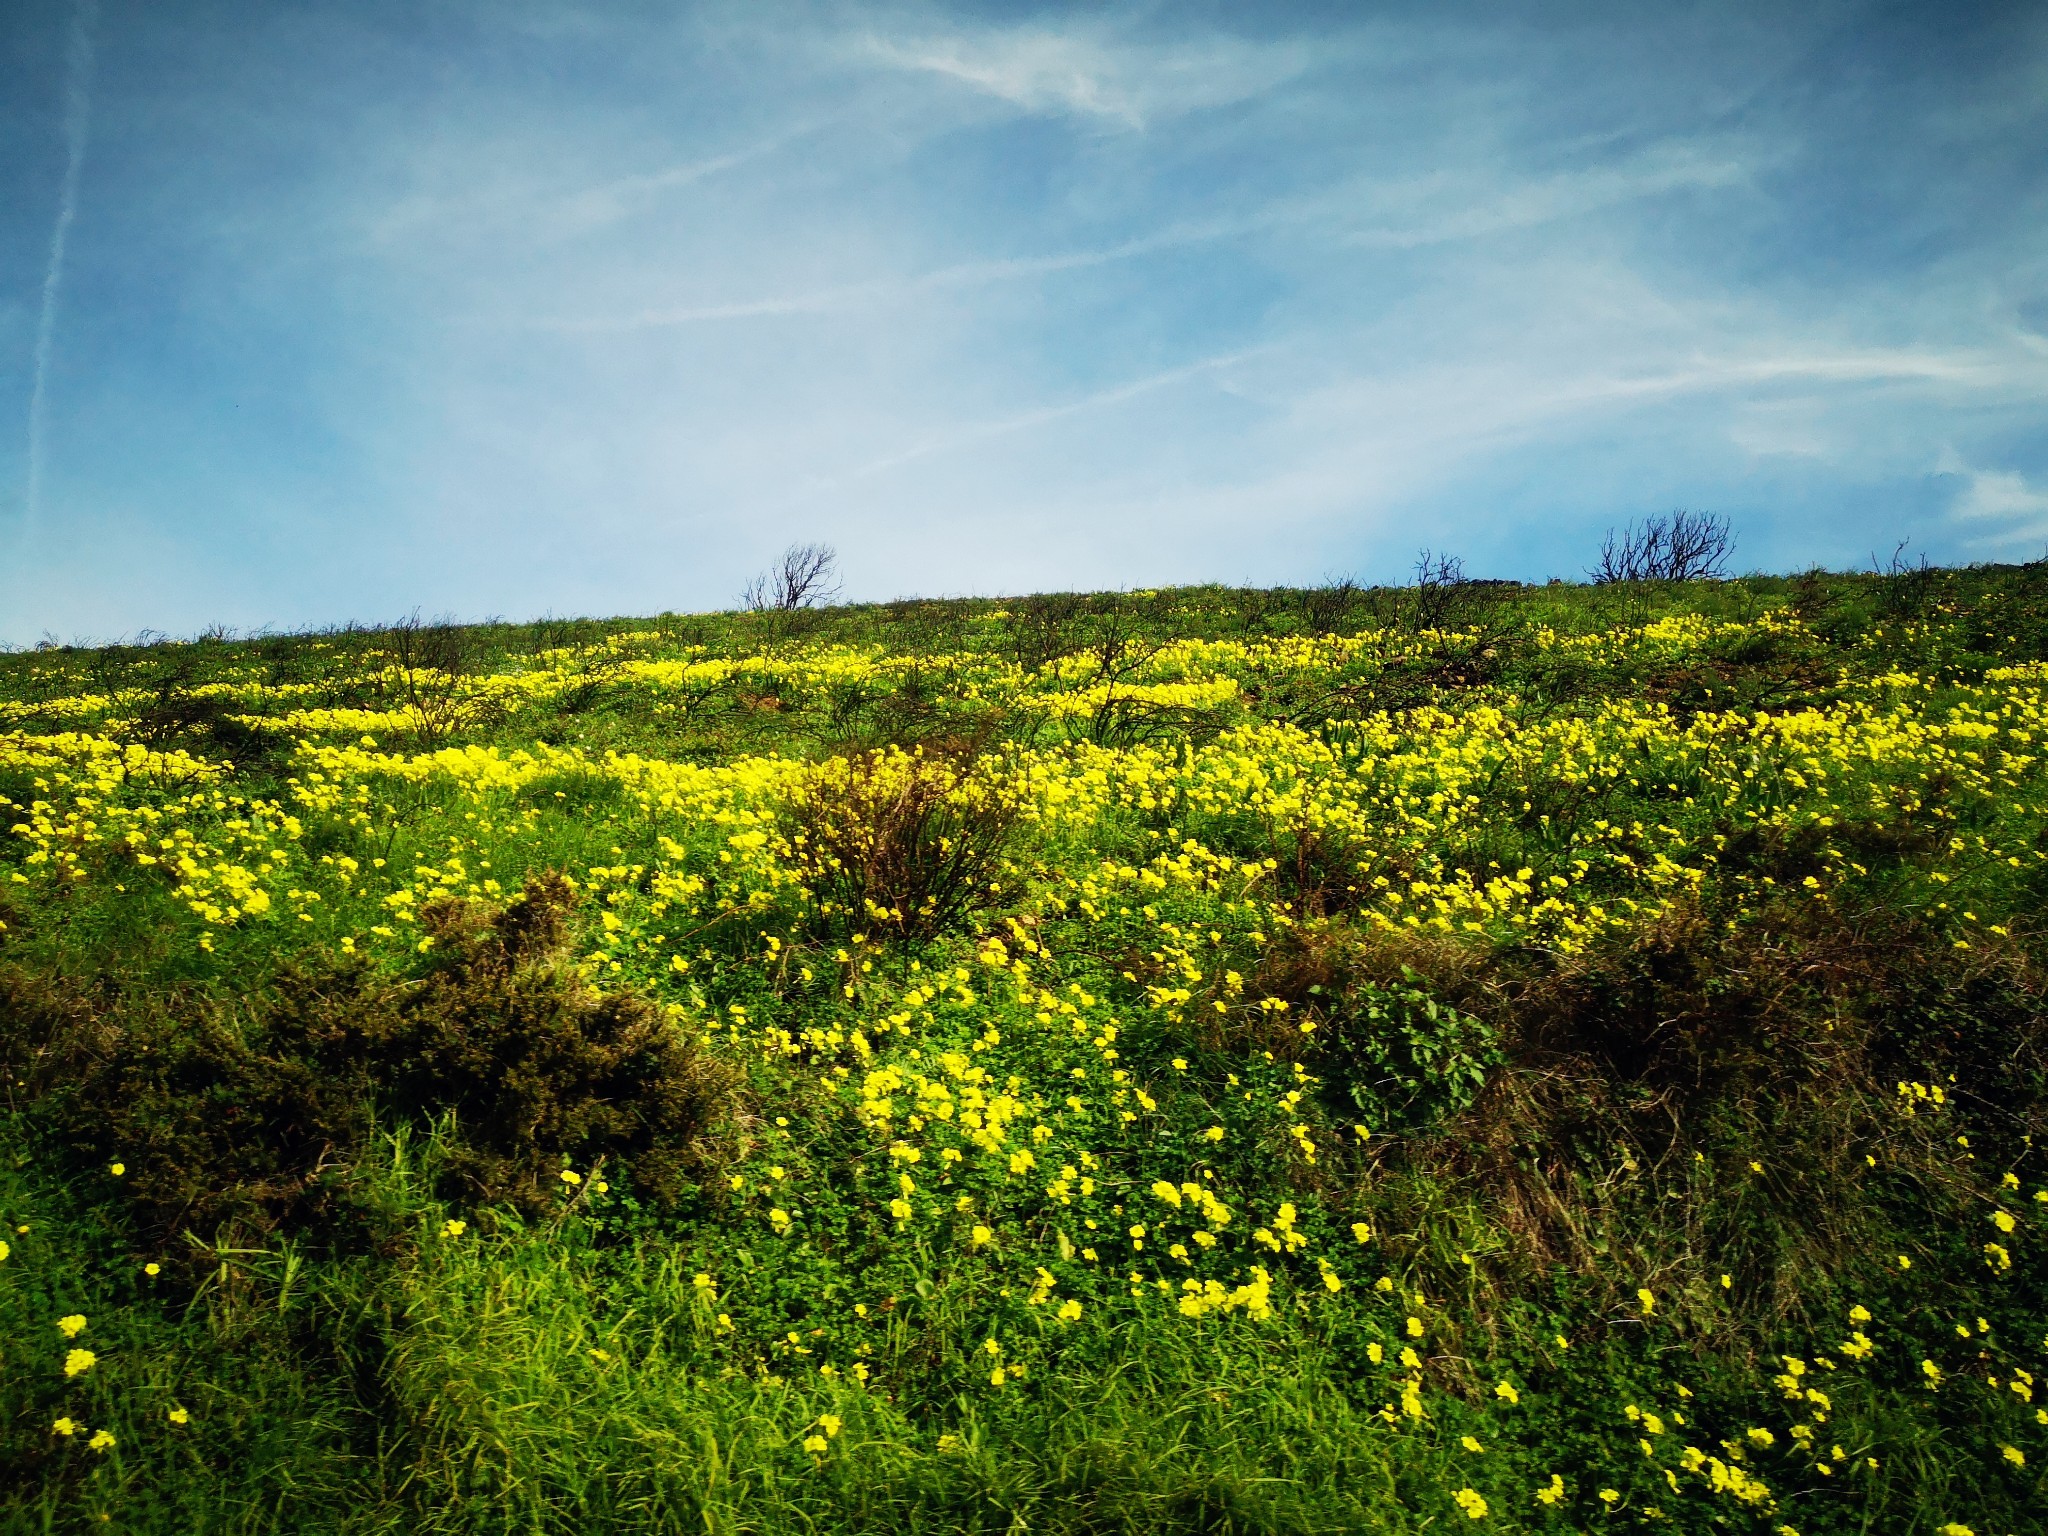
[[77, 122]]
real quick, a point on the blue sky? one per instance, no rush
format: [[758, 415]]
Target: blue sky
[[324, 311]]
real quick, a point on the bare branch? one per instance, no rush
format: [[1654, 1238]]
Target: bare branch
[[1327, 608], [1686, 546], [1439, 585], [807, 575]]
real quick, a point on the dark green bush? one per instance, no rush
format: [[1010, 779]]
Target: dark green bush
[[1402, 1058], [1391, 1052], [242, 1119]]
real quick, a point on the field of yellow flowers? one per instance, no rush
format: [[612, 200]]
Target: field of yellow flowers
[[1205, 1060]]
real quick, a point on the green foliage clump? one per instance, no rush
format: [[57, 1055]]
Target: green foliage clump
[[257, 1116]]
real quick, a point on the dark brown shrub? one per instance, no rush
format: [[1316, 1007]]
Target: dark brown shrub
[[239, 1121], [535, 1064], [214, 1132], [905, 842]]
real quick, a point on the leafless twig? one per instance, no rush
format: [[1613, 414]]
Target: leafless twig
[[1686, 546], [806, 576]]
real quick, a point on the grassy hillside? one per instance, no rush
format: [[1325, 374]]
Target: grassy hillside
[[1465, 1057]]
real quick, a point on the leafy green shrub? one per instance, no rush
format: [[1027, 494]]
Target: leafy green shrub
[[1398, 1058], [1391, 1050], [1407, 1059]]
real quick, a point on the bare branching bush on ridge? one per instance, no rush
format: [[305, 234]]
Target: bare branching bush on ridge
[[428, 660], [429, 645], [1044, 628], [1327, 609], [1904, 586], [1440, 585], [807, 576], [181, 714], [1685, 546]]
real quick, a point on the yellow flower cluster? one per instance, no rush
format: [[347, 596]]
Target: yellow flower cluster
[[986, 1076]]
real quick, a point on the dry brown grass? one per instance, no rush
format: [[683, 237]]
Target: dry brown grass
[[1645, 1076]]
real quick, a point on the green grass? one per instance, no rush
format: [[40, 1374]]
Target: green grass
[[1614, 1176]]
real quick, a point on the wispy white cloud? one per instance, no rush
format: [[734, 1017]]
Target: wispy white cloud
[[1448, 207], [896, 289], [1518, 206], [609, 201], [78, 69], [969, 435], [961, 275], [467, 196], [1979, 371], [1097, 71], [2004, 497]]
